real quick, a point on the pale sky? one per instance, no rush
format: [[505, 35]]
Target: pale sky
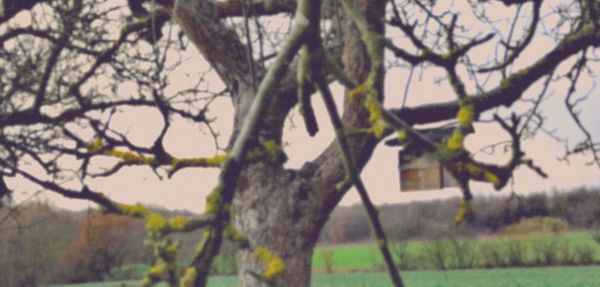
[[187, 188]]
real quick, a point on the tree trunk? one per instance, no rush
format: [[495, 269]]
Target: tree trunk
[[278, 209], [285, 210], [274, 209]]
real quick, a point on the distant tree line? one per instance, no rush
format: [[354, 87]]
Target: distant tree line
[[58, 246], [580, 208]]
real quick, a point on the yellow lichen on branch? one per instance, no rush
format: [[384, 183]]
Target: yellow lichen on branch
[[482, 174], [235, 236], [134, 210], [130, 157], [95, 146], [369, 97], [188, 277], [274, 152], [155, 222], [401, 135], [363, 89], [165, 268], [465, 212], [456, 140], [217, 160], [214, 161], [274, 266], [466, 114], [374, 108], [213, 200], [270, 152], [474, 170], [157, 271], [492, 178], [170, 252], [178, 222]]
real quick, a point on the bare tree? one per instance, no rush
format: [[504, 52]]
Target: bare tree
[[64, 66], [102, 246]]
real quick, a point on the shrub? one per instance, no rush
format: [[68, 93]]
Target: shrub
[[552, 251], [30, 243], [465, 252], [492, 254], [377, 263], [516, 251], [102, 245], [596, 237], [554, 225], [327, 256], [435, 252], [584, 254], [400, 249], [540, 225]]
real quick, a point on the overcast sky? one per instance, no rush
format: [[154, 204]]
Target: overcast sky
[[187, 188]]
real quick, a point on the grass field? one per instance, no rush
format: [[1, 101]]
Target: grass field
[[367, 256], [587, 276]]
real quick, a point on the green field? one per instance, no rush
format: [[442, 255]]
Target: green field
[[511, 277], [587, 276], [367, 256], [350, 259]]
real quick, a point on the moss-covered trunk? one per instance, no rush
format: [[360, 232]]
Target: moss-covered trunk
[[275, 210]]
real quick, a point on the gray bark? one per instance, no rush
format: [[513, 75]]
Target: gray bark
[[284, 210], [278, 209], [274, 209]]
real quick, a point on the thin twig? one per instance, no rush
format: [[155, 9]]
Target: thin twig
[[353, 175], [249, 45]]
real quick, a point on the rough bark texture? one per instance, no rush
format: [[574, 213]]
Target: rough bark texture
[[273, 207], [284, 210]]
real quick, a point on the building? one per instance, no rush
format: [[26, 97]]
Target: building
[[419, 170]]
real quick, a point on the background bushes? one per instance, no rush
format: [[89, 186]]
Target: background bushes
[[514, 231], [41, 245], [578, 209]]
